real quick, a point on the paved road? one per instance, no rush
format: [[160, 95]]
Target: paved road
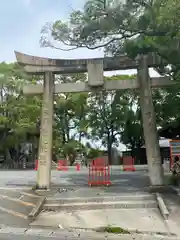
[[17, 198], [19, 237], [66, 235], [72, 178], [89, 236]]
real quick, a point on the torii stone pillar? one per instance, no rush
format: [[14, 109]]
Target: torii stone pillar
[[149, 123], [45, 142]]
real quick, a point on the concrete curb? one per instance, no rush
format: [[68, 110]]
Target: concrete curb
[[101, 205], [36, 210], [97, 199], [176, 190], [80, 235], [160, 189], [162, 206]]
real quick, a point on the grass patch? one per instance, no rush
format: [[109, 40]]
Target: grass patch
[[34, 187], [115, 230]]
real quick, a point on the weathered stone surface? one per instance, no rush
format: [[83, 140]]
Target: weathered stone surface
[[143, 220], [45, 144], [149, 124], [39, 65], [108, 85], [95, 73], [162, 206]]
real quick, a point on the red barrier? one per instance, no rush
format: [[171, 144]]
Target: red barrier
[[78, 166], [99, 173], [62, 165], [128, 164], [99, 161], [36, 165]]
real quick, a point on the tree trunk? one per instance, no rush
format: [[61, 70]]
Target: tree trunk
[[109, 150], [149, 124], [133, 151], [80, 136]]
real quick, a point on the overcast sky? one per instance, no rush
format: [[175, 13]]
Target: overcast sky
[[21, 22]]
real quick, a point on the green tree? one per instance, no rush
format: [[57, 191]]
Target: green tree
[[132, 135], [167, 104], [19, 114], [107, 116], [70, 118], [102, 22]]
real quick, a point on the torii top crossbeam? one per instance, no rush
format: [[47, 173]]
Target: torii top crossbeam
[[38, 65]]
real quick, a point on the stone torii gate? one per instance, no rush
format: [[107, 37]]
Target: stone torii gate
[[95, 69]]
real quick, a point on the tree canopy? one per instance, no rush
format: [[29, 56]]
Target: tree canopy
[[80, 119], [122, 27]]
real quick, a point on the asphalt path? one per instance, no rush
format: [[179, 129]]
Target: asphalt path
[[26, 179]]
